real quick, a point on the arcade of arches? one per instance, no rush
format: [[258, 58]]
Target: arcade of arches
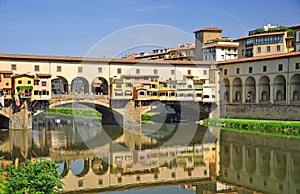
[[280, 90], [79, 85]]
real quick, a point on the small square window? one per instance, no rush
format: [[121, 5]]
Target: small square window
[[119, 70], [100, 181], [280, 67], [268, 49], [237, 70], [155, 71], [58, 69], [20, 82], [99, 69], [204, 72], [44, 83], [264, 68], [36, 68], [28, 82], [225, 71], [189, 72], [36, 82], [250, 69], [297, 66], [79, 69], [258, 49], [172, 72], [80, 183], [278, 48], [13, 67], [137, 71]]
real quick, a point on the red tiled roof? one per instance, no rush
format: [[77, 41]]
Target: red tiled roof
[[275, 56], [296, 26], [43, 75], [221, 45], [209, 29], [6, 71]]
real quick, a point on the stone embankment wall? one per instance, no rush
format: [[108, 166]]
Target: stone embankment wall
[[261, 111]]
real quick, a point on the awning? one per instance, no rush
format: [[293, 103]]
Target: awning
[[24, 87]]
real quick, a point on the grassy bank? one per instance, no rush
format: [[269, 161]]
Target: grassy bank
[[271, 127], [78, 112]]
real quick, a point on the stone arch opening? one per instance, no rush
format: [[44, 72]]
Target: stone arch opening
[[237, 157], [250, 159], [80, 167], [279, 165], [280, 88], [100, 86], [79, 85], [59, 85], [264, 162], [226, 90], [264, 89], [63, 168], [237, 90], [295, 88], [99, 166], [250, 89]]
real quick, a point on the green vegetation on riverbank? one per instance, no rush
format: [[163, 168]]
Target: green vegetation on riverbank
[[146, 118], [78, 112], [272, 127], [37, 176]]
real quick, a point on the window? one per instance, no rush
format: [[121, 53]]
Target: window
[[280, 67], [118, 85], [100, 181], [36, 68], [204, 72], [268, 49], [172, 72], [258, 40], [243, 52], [155, 71], [58, 69], [278, 48], [7, 75], [278, 38], [119, 70], [249, 42], [13, 67], [268, 39], [189, 72], [79, 69], [99, 69], [258, 49], [20, 82], [137, 71], [44, 83], [264, 68], [28, 82], [250, 69], [237, 70], [225, 71], [36, 82], [80, 183], [222, 56], [297, 66]]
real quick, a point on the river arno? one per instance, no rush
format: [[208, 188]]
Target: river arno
[[167, 158]]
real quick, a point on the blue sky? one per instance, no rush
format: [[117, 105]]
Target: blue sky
[[72, 28]]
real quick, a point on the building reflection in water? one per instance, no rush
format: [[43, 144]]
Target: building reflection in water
[[213, 162]]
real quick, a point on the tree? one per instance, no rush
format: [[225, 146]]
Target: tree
[[40, 176]]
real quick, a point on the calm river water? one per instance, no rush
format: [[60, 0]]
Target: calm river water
[[158, 158]]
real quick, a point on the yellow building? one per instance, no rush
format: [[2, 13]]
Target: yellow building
[[23, 84], [5, 84]]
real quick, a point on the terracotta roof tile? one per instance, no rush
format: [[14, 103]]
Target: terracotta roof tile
[[209, 29], [6, 71], [275, 56]]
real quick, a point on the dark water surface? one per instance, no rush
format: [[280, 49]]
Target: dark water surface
[[159, 158]]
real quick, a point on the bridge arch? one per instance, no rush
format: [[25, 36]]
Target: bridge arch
[[59, 85], [63, 168], [100, 86], [237, 157], [250, 159], [80, 85], [264, 162]]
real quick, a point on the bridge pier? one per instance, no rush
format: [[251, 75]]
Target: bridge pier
[[20, 117]]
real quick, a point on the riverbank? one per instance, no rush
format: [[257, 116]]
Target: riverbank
[[269, 127]]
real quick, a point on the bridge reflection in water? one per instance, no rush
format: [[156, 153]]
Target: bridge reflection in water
[[244, 162]]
